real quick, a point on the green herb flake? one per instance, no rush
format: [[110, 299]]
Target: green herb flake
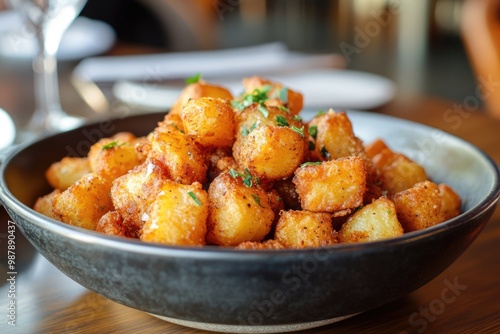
[[313, 131], [195, 199], [233, 173], [254, 125], [114, 143], [285, 109], [297, 118], [281, 121], [263, 110], [300, 131], [194, 79], [237, 105], [257, 200], [283, 94], [244, 131], [311, 163], [389, 212], [247, 178], [321, 112]]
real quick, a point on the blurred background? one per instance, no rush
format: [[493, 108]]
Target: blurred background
[[417, 44]]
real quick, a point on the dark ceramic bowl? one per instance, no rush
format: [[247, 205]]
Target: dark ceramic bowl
[[256, 291]]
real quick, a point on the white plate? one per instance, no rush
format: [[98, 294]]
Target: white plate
[[84, 38], [322, 89]]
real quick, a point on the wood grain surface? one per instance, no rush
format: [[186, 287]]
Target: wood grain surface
[[465, 298]]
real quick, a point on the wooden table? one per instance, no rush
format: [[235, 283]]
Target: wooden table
[[49, 302]]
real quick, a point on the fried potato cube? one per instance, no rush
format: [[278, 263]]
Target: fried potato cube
[[331, 186], [375, 148], [84, 203], [171, 122], [178, 216], [419, 207], [180, 156], [199, 89], [303, 229], [291, 99], [237, 213], [451, 203], [62, 174], [397, 171], [110, 158], [112, 224], [124, 137], [270, 152], [133, 193], [375, 221], [260, 245], [255, 116], [210, 121], [333, 137], [45, 204]]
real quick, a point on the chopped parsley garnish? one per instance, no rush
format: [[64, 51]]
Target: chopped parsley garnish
[[194, 79], [114, 143], [300, 131], [281, 121], [321, 112], [257, 200], [283, 94], [311, 163], [263, 110], [285, 109], [195, 199], [313, 131], [245, 132], [259, 96], [297, 118], [246, 177]]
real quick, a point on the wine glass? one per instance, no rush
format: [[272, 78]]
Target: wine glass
[[49, 19]]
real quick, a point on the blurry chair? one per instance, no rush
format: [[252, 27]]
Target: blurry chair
[[481, 34]]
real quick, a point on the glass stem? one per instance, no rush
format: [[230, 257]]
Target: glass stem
[[46, 83]]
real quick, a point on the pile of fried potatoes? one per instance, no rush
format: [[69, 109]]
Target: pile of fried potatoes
[[246, 172]]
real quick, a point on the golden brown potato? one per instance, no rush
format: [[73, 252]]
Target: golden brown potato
[[255, 116], [180, 156], [237, 213], [62, 174], [451, 203], [332, 185], [199, 89], [171, 122], [333, 137], [178, 216], [303, 229], [110, 158], [291, 99], [84, 203], [375, 221], [375, 148], [210, 121], [276, 202], [260, 245], [124, 137], [112, 224], [397, 172], [45, 204], [270, 152], [134, 192], [419, 207]]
